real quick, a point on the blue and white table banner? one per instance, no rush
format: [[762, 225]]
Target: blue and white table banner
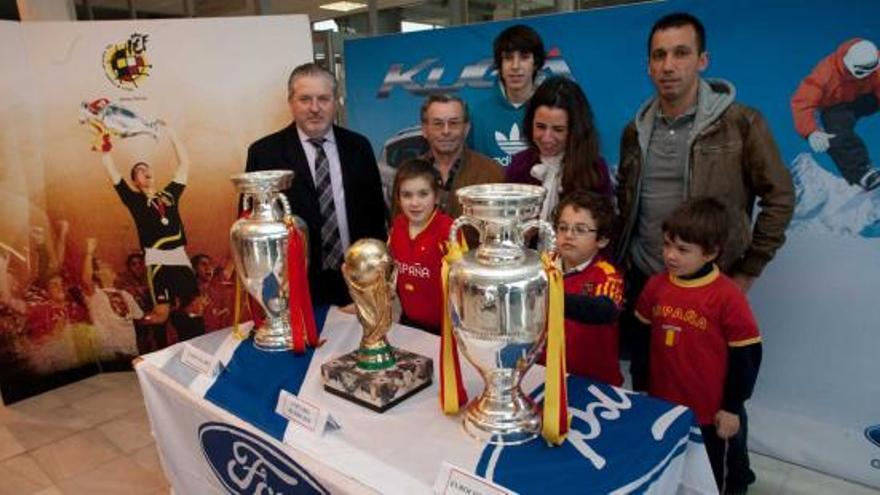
[[223, 435]]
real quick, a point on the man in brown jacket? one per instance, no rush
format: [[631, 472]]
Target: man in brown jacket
[[692, 139], [445, 125]]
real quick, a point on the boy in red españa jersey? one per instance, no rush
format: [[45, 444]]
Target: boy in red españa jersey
[[705, 347]]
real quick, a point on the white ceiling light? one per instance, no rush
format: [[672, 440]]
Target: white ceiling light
[[326, 25], [343, 6]]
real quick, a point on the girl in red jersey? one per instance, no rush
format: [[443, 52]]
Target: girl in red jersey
[[418, 235]]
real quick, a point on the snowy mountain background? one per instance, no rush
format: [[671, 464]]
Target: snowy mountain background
[[825, 203]]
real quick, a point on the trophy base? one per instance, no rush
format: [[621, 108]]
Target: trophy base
[[274, 335], [274, 344], [377, 390], [495, 422]]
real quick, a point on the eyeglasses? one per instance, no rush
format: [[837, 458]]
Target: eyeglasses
[[438, 124], [577, 230]]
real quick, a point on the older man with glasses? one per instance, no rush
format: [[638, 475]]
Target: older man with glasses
[[445, 125]]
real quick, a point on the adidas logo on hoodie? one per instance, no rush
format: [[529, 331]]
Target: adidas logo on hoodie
[[513, 143]]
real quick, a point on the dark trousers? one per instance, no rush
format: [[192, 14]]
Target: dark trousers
[[150, 337], [847, 149], [634, 340], [328, 287], [739, 473], [187, 326]]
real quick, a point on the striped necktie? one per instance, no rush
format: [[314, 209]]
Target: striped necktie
[[331, 243]]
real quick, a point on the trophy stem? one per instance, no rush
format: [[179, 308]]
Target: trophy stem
[[275, 334], [503, 414]]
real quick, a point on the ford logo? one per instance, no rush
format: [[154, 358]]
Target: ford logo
[[873, 434], [245, 463]]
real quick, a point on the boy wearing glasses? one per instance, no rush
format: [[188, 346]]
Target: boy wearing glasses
[[593, 287]]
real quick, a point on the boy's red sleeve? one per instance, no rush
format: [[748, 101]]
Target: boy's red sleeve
[[738, 323], [598, 302], [611, 286]]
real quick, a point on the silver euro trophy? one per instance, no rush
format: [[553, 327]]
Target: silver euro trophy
[[259, 247], [498, 297]]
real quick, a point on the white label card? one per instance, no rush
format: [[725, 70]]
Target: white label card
[[199, 360], [453, 480], [304, 414]]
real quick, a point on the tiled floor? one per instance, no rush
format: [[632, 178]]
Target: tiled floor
[[92, 437]]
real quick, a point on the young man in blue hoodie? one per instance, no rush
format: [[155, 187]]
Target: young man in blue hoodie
[[497, 127]]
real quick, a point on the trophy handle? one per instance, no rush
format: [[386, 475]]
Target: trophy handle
[[285, 204], [457, 225], [547, 235], [247, 202], [296, 222]]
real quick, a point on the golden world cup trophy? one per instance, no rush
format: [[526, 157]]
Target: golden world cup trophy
[[371, 276], [376, 375]]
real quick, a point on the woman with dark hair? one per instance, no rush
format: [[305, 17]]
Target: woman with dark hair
[[563, 153]]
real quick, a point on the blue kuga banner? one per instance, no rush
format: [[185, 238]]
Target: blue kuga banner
[[817, 300]]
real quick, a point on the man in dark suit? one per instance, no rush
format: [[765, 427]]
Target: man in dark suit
[[336, 186]]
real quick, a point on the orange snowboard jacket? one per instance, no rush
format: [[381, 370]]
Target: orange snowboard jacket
[[828, 84]]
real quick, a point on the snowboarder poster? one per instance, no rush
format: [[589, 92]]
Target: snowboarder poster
[[840, 92]]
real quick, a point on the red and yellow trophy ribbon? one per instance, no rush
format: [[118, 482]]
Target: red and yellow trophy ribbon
[[302, 319], [555, 415], [453, 395]]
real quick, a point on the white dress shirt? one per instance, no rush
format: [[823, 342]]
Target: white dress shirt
[[335, 179]]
